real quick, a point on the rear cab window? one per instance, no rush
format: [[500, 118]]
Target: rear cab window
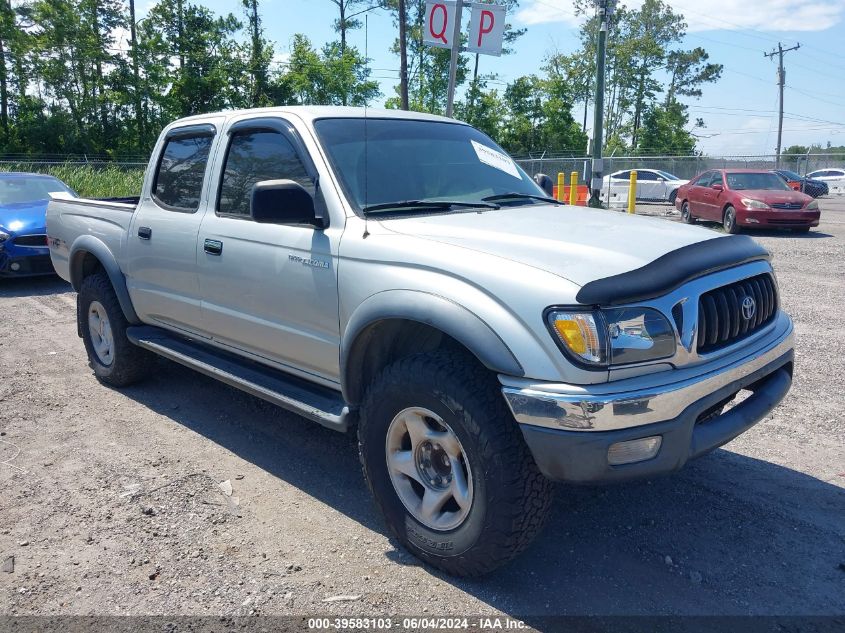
[[181, 170]]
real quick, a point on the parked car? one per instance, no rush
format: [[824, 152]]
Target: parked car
[[398, 273], [23, 232], [744, 198], [653, 185], [833, 178], [814, 188]]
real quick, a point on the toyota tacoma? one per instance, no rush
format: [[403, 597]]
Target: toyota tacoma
[[398, 274]]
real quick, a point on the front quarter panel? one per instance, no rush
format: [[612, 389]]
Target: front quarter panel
[[506, 298]]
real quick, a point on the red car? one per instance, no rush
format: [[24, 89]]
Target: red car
[[746, 198]]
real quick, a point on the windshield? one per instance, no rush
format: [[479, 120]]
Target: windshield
[[420, 160], [762, 181], [789, 174], [18, 189]]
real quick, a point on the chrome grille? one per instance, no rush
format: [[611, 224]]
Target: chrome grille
[[792, 206], [721, 321]]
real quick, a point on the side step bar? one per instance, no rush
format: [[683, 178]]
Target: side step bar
[[316, 403]]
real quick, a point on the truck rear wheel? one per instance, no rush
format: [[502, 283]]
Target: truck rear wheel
[[448, 466], [115, 360]]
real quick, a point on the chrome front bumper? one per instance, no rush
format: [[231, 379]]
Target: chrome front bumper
[[643, 400]]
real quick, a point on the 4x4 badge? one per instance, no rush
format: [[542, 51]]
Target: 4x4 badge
[[749, 308]]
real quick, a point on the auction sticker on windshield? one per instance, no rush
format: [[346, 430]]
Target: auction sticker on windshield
[[491, 157]]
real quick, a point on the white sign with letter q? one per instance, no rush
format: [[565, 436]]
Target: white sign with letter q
[[486, 29], [439, 23]]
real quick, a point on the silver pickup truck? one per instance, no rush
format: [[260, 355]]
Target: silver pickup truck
[[399, 274]]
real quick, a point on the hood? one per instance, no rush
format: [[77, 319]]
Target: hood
[[24, 217], [774, 197], [576, 243]]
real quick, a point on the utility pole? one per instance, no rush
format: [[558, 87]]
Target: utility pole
[[605, 9], [781, 84], [456, 51]]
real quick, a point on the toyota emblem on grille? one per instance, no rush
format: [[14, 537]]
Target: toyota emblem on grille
[[749, 308]]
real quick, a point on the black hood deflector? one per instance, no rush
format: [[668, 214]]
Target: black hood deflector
[[672, 270]]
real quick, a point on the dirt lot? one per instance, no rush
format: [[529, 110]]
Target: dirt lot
[[111, 505]]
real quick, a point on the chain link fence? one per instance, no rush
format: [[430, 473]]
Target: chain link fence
[[684, 167]]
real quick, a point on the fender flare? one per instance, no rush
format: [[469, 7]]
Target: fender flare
[[434, 310], [88, 244]]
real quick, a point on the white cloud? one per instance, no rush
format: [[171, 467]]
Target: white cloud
[[763, 15], [549, 11]]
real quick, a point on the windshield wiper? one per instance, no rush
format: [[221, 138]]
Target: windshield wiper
[[520, 196], [428, 204]]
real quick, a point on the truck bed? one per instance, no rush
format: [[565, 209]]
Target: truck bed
[[105, 220]]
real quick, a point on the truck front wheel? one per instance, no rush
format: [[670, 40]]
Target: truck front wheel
[[448, 466], [115, 360]]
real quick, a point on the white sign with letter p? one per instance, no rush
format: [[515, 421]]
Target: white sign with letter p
[[486, 29], [439, 23]]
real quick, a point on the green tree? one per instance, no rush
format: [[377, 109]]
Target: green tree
[[327, 77], [688, 71], [260, 54], [539, 118], [483, 109], [664, 131], [428, 67]]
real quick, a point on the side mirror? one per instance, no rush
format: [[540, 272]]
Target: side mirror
[[546, 184], [717, 187], [283, 202]]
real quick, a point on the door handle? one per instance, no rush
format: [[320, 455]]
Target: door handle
[[213, 247], [145, 232]]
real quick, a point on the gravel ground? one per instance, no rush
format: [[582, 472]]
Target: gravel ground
[[111, 502]]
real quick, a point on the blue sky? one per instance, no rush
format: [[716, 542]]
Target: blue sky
[[740, 110]]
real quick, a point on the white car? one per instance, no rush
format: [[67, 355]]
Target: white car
[[835, 179], [653, 185]]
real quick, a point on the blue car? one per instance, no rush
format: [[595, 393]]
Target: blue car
[[23, 228]]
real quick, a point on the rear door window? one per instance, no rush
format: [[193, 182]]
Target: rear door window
[[704, 179], [181, 172]]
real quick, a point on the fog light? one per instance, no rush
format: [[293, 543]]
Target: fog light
[[752, 221], [15, 266], [633, 450]]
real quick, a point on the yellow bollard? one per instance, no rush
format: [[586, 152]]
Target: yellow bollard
[[561, 185], [573, 188], [632, 193]]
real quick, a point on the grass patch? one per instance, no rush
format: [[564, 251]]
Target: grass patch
[[109, 180]]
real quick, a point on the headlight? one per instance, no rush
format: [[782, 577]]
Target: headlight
[[748, 203], [3, 236], [613, 337], [638, 334], [813, 206]]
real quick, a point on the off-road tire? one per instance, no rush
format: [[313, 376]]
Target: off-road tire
[[511, 497], [130, 363]]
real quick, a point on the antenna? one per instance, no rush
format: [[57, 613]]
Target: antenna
[[366, 137]]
